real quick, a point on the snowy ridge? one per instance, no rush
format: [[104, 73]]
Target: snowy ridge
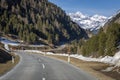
[[113, 16], [88, 22]]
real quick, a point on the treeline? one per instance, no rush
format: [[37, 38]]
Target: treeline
[[32, 20], [74, 47], [105, 43]]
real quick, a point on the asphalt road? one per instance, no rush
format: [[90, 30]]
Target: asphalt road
[[38, 67]]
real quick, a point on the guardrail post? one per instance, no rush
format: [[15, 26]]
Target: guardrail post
[[13, 60]]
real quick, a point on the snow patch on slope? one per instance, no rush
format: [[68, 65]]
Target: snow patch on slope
[[9, 42]]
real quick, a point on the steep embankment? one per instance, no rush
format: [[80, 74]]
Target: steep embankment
[[4, 56]]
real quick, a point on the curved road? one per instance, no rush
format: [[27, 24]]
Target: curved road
[[38, 67]]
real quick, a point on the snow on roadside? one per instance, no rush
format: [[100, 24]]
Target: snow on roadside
[[115, 60], [107, 59], [33, 51], [6, 47]]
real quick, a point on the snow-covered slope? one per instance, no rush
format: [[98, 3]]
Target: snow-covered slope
[[88, 22], [9, 42]]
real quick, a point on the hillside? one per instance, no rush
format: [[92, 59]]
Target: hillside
[[114, 19], [107, 41], [37, 20]]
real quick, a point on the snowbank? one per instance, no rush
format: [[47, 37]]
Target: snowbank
[[106, 59], [6, 47], [34, 51], [115, 60]]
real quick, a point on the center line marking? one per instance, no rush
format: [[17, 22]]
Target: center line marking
[[43, 78], [43, 66]]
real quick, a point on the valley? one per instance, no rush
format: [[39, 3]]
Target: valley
[[53, 40]]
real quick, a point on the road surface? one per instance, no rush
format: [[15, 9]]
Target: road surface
[[38, 67]]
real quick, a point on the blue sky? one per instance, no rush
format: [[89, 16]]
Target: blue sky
[[90, 7]]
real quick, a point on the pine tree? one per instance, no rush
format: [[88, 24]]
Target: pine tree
[[113, 34], [110, 45], [102, 43]]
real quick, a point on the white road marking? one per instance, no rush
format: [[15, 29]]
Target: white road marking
[[43, 79], [43, 66]]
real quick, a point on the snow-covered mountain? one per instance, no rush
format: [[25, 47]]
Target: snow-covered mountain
[[88, 22]]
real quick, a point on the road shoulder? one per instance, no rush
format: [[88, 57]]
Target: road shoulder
[[89, 67], [6, 67]]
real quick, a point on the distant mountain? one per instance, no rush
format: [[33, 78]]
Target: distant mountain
[[88, 22], [36, 20]]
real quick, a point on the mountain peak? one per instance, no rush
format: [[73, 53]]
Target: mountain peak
[[88, 22], [77, 14]]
